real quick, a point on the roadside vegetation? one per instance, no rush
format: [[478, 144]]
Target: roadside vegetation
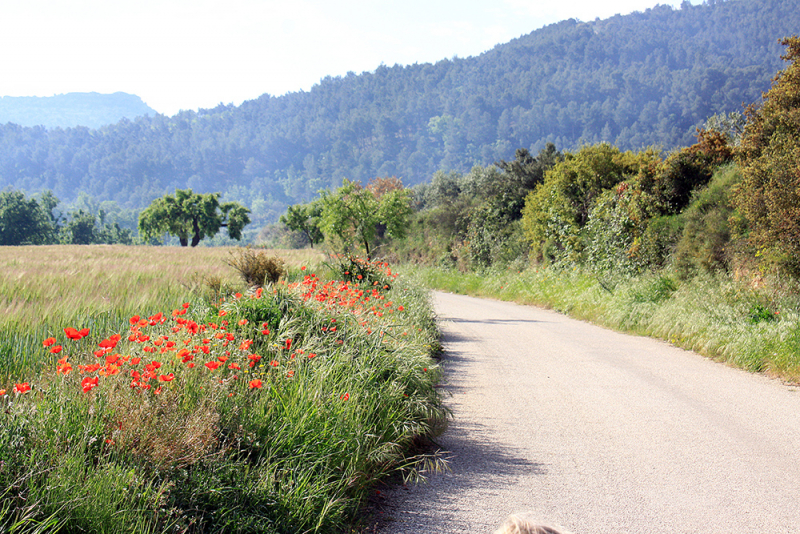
[[152, 390], [698, 246]]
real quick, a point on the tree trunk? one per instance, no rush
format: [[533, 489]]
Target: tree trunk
[[196, 228]]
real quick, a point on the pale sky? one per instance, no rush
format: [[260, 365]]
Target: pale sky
[[190, 54]]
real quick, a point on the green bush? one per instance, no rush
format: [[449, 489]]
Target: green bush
[[705, 243]]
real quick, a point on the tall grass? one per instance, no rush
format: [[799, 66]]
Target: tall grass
[[755, 328], [267, 410], [44, 289]]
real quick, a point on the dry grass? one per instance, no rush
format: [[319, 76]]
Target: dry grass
[[52, 284]]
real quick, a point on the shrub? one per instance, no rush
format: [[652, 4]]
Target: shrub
[[706, 238], [770, 157], [256, 267]]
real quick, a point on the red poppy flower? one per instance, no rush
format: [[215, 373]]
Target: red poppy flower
[[345, 397], [56, 349], [72, 333], [212, 365], [2, 392], [256, 384], [167, 378], [89, 383], [134, 319], [274, 363], [223, 313], [22, 388], [49, 341]]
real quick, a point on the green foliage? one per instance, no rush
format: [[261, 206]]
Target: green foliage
[[353, 214], [648, 78], [705, 243], [557, 211], [194, 215], [256, 267], [27, 221], [768, 196], [305, 218], [370, 273], [82, 228]]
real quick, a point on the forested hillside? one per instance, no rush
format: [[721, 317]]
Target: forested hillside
[[72, 109], [643, 79]]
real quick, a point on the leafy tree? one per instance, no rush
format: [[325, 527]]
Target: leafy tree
[[26, 221], [305, 218], [520, 176], [557, 210], [769, 195], [79, 229], [84, 228], [353, 213], [192, 215]]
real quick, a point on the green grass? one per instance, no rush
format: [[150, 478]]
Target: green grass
[[754, 328], [288, 434]]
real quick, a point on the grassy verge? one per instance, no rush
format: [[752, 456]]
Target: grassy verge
[[755, 329], [247, 411]]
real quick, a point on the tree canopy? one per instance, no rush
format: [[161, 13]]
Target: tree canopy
[[769, 195], [188, 215]]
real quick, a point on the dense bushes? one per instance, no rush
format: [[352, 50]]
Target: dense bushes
[[769, 195]]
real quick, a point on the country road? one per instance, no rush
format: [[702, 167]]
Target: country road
[[600, 432]]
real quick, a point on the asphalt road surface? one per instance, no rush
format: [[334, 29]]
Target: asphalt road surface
[[600, 432]]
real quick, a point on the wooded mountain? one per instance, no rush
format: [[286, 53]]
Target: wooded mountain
[[72, 109], [648, 78]]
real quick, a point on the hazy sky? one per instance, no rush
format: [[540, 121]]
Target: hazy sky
[[188, 54]]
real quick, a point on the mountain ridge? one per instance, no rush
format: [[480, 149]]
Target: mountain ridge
[[645, 79], [69, 110]]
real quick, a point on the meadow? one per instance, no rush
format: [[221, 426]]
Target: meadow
[[750, 324], [148, 389]]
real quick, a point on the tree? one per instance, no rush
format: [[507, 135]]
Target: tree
[[304, 218], [26, 221], [769, 195], [556, 212], [194, 215], [84, 228], [353, 213]]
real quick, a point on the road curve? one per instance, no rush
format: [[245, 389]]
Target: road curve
[[600, 432]]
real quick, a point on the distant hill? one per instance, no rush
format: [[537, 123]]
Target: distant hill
[[648, 78], [92, 110]]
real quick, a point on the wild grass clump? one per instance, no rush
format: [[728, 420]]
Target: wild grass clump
[[256, 267], [263, 411]]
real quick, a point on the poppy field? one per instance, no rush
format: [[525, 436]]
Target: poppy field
[[219, 408]]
